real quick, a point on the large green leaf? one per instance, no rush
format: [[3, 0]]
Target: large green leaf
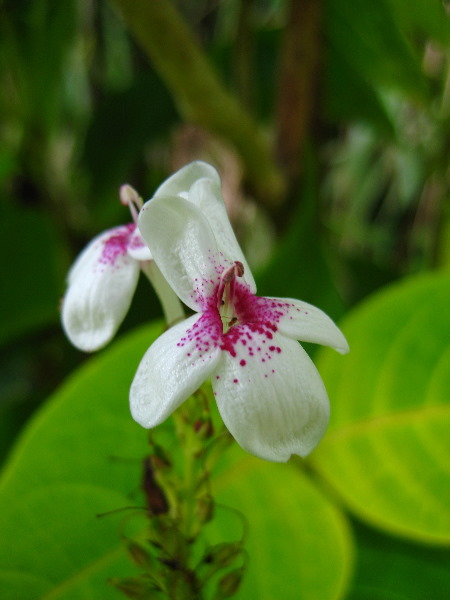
[[390, 568], [298, 541], [387, 448], [81, 455]]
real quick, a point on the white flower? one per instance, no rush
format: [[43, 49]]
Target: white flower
[[103, 279], [268, 391]]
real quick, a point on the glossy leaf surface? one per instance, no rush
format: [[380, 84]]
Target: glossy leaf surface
[[386, 451]]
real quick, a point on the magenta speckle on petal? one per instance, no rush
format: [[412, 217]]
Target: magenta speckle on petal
[[233, 320], [117, 244]]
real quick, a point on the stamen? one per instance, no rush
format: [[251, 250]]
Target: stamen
[[226, 284], [129, 197], [239, 267], [225, 295]]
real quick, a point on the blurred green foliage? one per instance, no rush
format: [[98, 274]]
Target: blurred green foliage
[[86, 106]]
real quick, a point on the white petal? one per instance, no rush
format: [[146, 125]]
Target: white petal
[[174, 367], [101, 285], [307, 323], [183, 246], [180, 182], [137, 248], [206, 194], [273, 401]]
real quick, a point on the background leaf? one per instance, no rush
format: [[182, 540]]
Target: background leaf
[[130, 120], [389, 568], [81, 456], [300, 267], [366, 33], [298, 543], [32, 272], [387, 448]]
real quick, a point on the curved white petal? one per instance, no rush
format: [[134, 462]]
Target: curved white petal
[[180, 182], [273, 407], [174, 367], [101, 285], [183, 246], [307, 323], [137, 248], [207, 195]]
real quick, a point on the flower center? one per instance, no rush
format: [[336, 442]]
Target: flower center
[[226, 295]]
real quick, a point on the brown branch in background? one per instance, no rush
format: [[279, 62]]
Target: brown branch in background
[[199, 94], [298, 83], [243, 54]]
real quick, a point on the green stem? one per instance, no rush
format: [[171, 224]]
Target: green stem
[[200, 95]]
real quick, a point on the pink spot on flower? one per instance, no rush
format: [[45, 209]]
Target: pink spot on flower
[[117, 244], [251, 327]]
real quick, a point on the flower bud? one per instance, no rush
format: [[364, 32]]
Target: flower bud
[[139, 554], [229, 584], [204, 428], [205, 508], [156, 499], [133, 587], [219, 557]]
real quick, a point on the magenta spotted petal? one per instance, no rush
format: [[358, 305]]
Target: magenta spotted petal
[[102, 282], [268, 391]]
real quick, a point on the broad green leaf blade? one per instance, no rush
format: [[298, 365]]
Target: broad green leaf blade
[[55, 547], [82, 455], [387, 448], [391, 568], [298, 541]]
